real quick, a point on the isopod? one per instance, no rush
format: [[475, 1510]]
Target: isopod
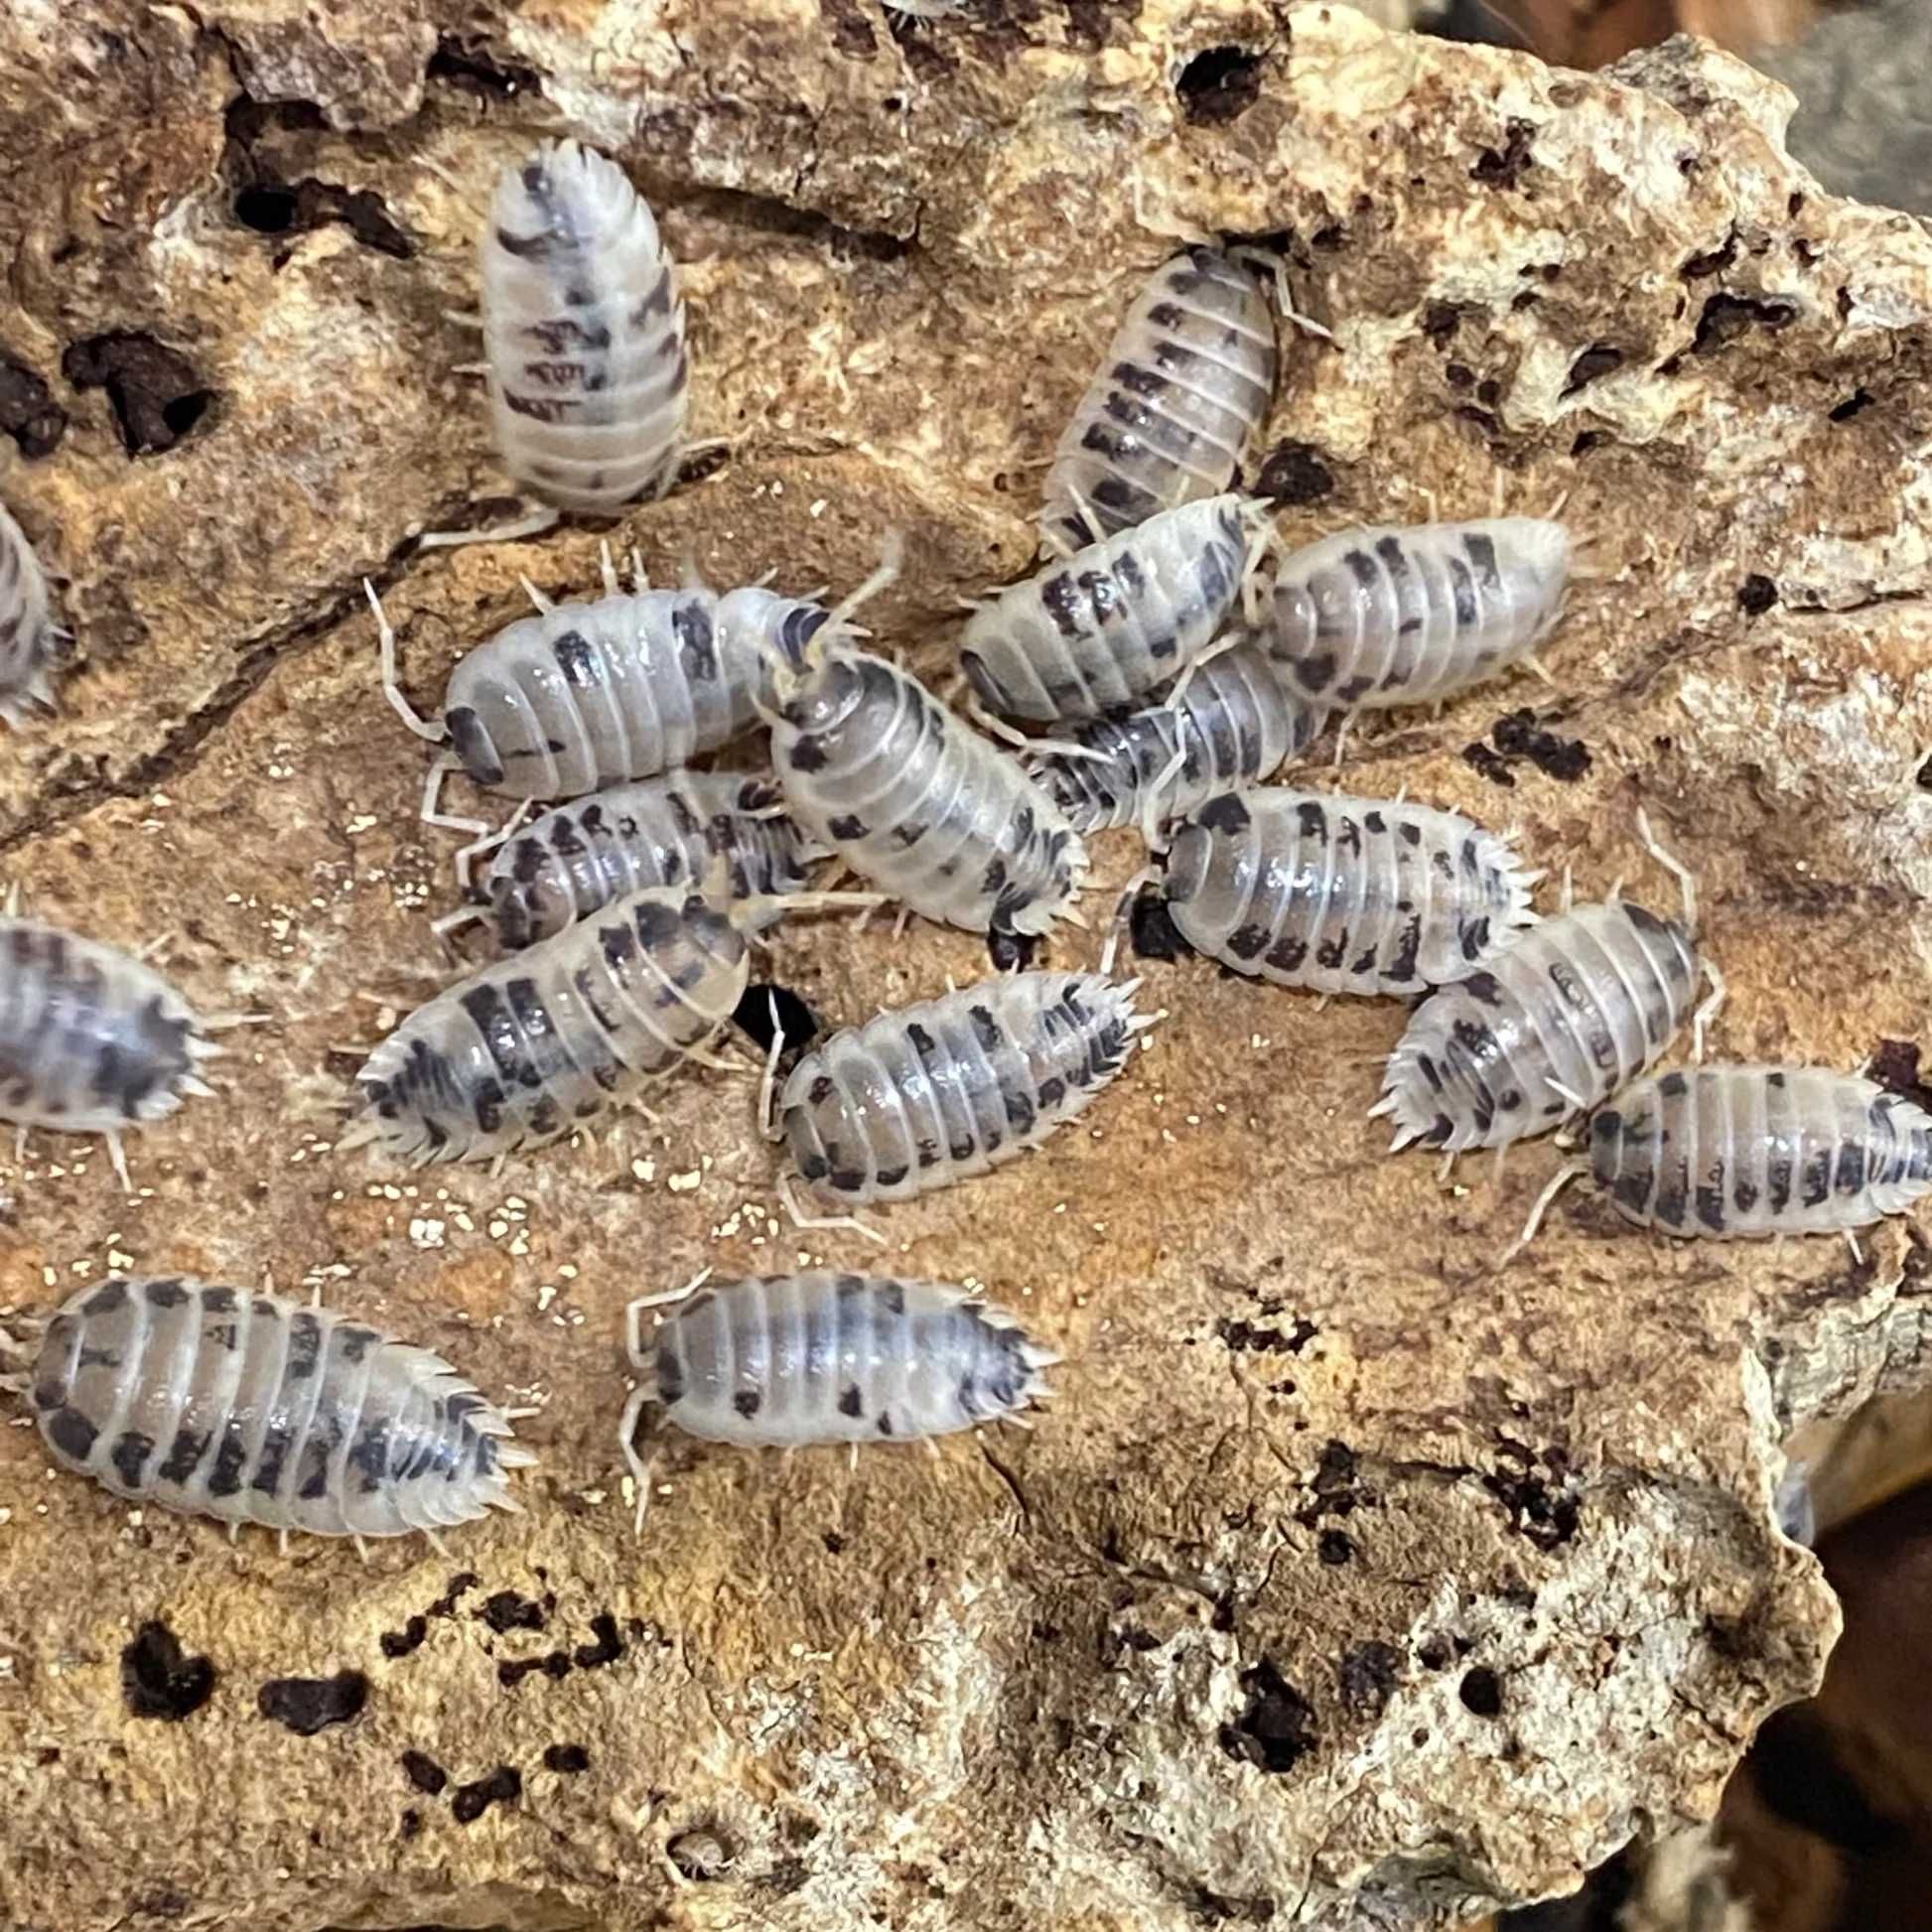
[[790, 1360], [670, 831], [530, 1048], [1344, 894], [1729, 1152], [92, 1040], [29, 636], [1100, 628], [1175, 406], [925, 1095], [873, 766], [1372, 617], [583, 333], [1231, 725], [254, 1409]]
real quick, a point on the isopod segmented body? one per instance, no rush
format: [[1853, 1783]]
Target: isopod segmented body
[[1234, 724], [1391, 617], [669, 831], [255, 1409], [929, 1094], [91, 1039], [1577, 1006], [788, 1360], [876, 767], [583, 333], [29, 636], [1344, 894], [534, 1046], [599, 693], [1175, 406], [1730, 1151], [1102, 627]]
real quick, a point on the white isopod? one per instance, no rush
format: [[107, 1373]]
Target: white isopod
[[1368, 619], [254, 1409], [29, 639], [583, 333]]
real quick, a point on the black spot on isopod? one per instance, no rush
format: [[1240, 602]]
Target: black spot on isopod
[[160, 1680], [852, 1402], [503, 1786], [428, 1776], [1481, 1691], [307, 1705], [747, 1402], [156, 395], [72, 1433], [566, 1760], [1277, 1728]]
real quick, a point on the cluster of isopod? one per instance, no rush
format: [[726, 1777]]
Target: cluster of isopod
[[1164, 658]]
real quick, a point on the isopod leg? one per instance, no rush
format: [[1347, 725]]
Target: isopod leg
[[535, 524], [801, 1219], [391, 689], [768, 1086], [432, 796], [1701, 1019], [1678, 869], [117, 1154], [1564, 1176], [1121, 910]]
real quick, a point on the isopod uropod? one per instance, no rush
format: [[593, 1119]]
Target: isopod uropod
[[1344, 894], [29, 636], [1232, 725], [1732, 1152], [1175, 407], [669, 831], [92, 1040], [255, 1409], [790, 1360], [928, 1094], [583, 333], [1392, 617], [1099, 629], [533, 1046]]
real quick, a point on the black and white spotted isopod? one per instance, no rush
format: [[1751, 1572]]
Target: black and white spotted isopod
[[1175, 406], [583, 333], [1344, 894], [718, 829], [925, 1095], [29, 639], [1102, 627], [254, 1409], [1392, 617]]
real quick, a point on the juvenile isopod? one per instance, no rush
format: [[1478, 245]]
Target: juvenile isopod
[[873, 766], [583, 333], [1099, 630], [1175, 406], [1344, 894], [254, 1409], [1730, 1152], [1579, 1006], [1231, 725], [925, 1095], [790, 1360], [92, 1040], [29, 639], [530, 1048], [689, 828], [1373, 618]]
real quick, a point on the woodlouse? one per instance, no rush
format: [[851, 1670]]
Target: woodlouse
[[530, 1048], [690, 828], [29, 638], [1372, 617], [1344, 894], [1176, 404], [790, 1360], [1102, 627], [583, 333], [254, 1409], [1231, 725], [925, 1095], [92, 1040], [872, 764], [1736, 1151]]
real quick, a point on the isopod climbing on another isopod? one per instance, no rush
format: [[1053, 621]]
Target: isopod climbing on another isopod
[[29, 639], [254, 1409], [790, 1360]]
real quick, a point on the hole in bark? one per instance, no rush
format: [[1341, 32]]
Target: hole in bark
[[156, 395], [1276, 1729], [506, 1611], [268, 210], [1598, 359], [1519, 736], [1010, 949], [1151, 929], [160, 1680], [308, 1705], [477, 71], [1335, 1548], [1368, 1677], [273, 207], [503, 1786], [1504, 167], [28, 411], [1895, 1064], [424, 1773], [1220, 85], [1726, 316], [1757, 594], [1481, 1691], [1295, 473], [1857, 400], [796, 1020], [568, 1759]]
